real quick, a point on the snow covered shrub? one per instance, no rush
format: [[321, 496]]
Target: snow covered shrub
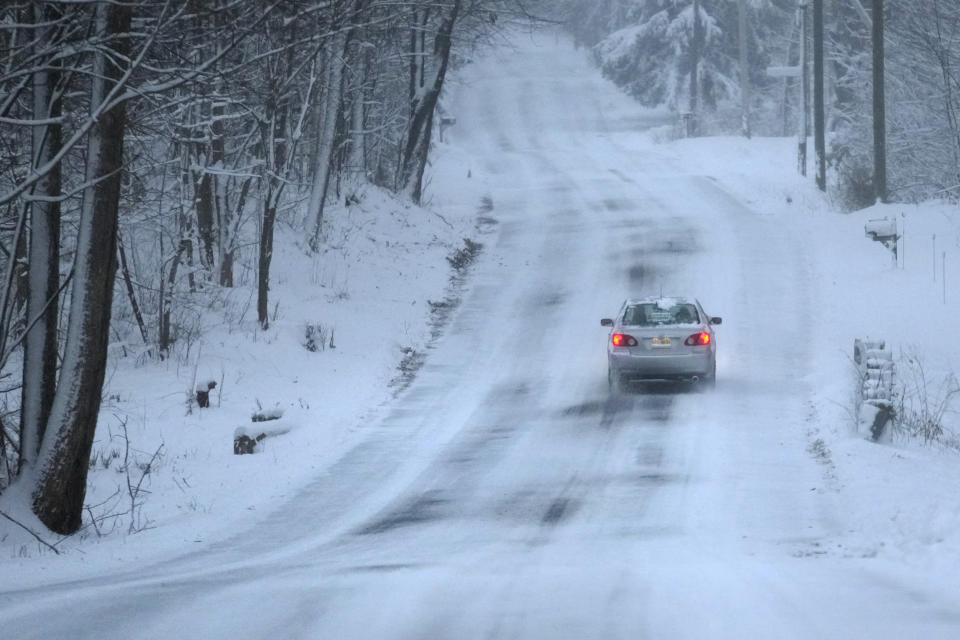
[[923, 404], [266, 415], [628, 58], [648, 54], [105, 515], [650, 59], [850, 169], [317, 337], [591, 20], [408, 368], [464, 257], [851, 186], [923, 114], [922, 111], [486, 204], [104, 458], [9, 445]]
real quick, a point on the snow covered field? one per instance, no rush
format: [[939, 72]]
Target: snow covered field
[[504, 493]]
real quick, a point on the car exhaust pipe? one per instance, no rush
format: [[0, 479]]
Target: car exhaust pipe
[[695, 379]]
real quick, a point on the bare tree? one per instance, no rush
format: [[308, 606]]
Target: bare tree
[[429, 61], [40, 342], [335, 56], [281, 118], [196, 128], [65, 450]]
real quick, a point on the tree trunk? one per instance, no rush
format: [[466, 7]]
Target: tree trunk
[[222, 210], [204, 186], [357, 159], [226, 268], [228, 248], [203, 203], [276, 141], [21, 279], [164, 337], [40, 344], [266, 256], [356, 163], [186, 226], [327, 148], [744, 69], [695, 65], [61, 479], [423, 105], [131, 292], [276, 153]]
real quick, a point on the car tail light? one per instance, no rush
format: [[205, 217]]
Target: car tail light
[[698, 339], [623, 340]]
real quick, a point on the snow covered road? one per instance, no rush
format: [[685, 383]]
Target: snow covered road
[[506, 494]]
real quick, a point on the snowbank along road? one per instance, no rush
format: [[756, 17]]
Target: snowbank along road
[[507, 494]]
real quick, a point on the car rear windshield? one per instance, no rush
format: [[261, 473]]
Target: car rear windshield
[[651, 314]]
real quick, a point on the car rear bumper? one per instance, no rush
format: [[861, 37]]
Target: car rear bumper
[[680, 366]]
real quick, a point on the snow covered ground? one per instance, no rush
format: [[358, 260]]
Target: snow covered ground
[[900, 498], [504, 493]]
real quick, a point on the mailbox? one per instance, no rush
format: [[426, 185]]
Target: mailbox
[[883, 230]]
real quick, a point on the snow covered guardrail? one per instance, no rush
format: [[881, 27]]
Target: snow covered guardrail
[[875, 391]]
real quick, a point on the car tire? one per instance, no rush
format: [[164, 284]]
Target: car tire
[[614, 382], [710, 382]]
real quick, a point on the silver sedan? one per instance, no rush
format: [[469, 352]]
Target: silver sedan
[[661, 339]]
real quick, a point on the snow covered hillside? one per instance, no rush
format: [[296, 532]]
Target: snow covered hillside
[[374, 298]]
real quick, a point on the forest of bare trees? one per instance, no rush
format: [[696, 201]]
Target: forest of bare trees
[[149, 149], [645, 46]]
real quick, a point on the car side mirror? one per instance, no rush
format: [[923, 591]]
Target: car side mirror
[[716, 320], [606, 322]]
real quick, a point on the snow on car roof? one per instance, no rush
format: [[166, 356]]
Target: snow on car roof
[[663, 302]]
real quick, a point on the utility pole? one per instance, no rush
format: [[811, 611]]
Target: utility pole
[[879, 115], [744, 69], [804, 90], [819, 142]]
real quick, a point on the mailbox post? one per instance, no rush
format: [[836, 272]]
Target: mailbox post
[[884, 230]]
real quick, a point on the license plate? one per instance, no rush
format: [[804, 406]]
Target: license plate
[[661, 342]]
